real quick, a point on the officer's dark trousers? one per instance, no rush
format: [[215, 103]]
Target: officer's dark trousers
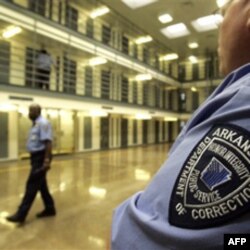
[[36, 182]]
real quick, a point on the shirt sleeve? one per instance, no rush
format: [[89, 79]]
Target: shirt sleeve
[[45, 131]]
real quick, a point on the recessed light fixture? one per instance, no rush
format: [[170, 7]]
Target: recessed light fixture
[[143, 39], [11, 31], [176, 30], [194, 89], [134, 4], [143, 116], [193, 59], [206, 23], [193, 45], [165, 18], [99, 12], [168, 57]]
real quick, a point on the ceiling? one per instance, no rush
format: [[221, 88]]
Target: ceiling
[[146, 18]]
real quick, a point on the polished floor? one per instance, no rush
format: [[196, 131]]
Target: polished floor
[[86, 188]]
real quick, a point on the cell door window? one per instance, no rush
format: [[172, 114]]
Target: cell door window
[[145, 94], [157, 126], [195, 100], [135, 92], [4, 62], [124, 89], [88, 81], [69, 76], [145, 55], [105, 81], [106, 34], [71, 18], [195, 72], [38, 6]]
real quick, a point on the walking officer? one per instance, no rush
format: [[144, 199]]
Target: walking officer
[[39, 145]]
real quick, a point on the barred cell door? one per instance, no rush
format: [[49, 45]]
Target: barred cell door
[[3, 135], [124, 133], [104, 132], [4, 62]]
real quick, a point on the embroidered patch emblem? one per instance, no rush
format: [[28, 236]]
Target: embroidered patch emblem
[[213, 186]]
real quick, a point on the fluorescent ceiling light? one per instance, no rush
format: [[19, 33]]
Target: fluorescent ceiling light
[[143, 117], [170, 119], [194, 89], [11, 31], [193, 59], [165, 18], [99, 12], [97, 61], [193, 45], [143, 77], [206, 23], [143, 39], [134, 4], [98, 113], [169, 57], [221, 3], [176, 30]]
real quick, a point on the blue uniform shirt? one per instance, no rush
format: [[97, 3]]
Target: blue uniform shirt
[[39, 132], [202, 191]]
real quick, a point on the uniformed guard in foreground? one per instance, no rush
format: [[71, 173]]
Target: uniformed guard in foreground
[[202, 191], [39, 145]]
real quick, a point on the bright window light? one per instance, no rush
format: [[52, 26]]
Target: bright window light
[[143, 117], [143, 77], [176, 30], [193, 59], [99, 12], [169, 57], [207, 23], [165, 18], [97, 61], [143, 39], [193, 45], [98, 113], [11, 31], [134, 4]]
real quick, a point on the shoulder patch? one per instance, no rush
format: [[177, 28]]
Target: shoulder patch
[[213, 186]]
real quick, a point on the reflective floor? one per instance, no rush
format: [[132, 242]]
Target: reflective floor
[[86, 188]]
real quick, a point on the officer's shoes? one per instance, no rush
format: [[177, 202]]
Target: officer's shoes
[[46, 213], [16, 218]]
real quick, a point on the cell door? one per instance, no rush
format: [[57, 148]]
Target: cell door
[[4, 62], [124, 133], [24, 125], [104, 132], [157, 125], [4, 135], [145, 132], [87, 132]]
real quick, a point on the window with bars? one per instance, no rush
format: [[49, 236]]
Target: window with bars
[[38, 6], [106, 34], [88, 81], [4, 61], [105, 84], [90, 28], [69, 75], [71, 18], [125, 45], [124, 89]]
